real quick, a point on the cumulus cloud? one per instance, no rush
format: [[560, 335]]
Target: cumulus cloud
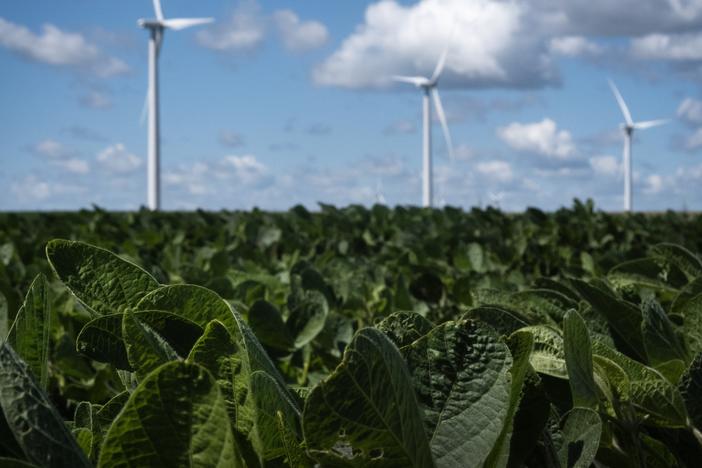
[[500, 171], [676, 47], [490, 46], [117, 159], [243, 32], [96, 100], [59, 48], [606, 165], [75, 165], [247, 169], [573, 46], [52, 149], [541, 138], [400, 127], [694, 141], [653, 184], [61, 156], [297, 35]]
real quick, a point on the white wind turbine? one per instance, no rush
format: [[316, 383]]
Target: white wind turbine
[[628, 127], [429, 86], [156, 29]]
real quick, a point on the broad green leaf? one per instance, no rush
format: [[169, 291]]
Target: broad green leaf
[[548, 356], [15, 463], [101, 338], [520, 344], [691, 311], [101, 280], [146, 349], [4, 318], [691, 290], [403, 328], [270, 400], [366, 412], [102, 420], [679, 256], [29, 335], [581, 438], [652, 393], [661, 340], [578, 357], [308, 313], [622, 316], [530, 420], [690, 387], [500, 318], [35, 423], [176, 417], [461, 374], [546, 304], [84, 438], [295, 455], [641, 272], [267, 323]]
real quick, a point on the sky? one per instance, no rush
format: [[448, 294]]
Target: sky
[[279, 103]]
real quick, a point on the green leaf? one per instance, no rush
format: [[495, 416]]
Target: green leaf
[[308, 313], [403, 328], [461, 374], [35, 423], [176, 417], [101, 338], [146, 349], [578, 357], [548, 356], [622, 316], [652, 394], [195, 303], [691, 311], [688, 292], [679, 256], [581, 438], [267, 323], [101, 280], [366, 412], [500, 318], [661, 340], [690, 387], [15, 463], [4, 318], [270, 400], [521, 344], [295, 454], [642, 272], [29, 335]]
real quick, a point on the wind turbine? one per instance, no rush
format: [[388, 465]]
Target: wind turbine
[[156, 29], [628, 127], [429, 86]]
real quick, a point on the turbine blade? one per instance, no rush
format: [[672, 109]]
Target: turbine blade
[[182, 23], [439, 66], [442, 119], [622, 104], [415, 80], [158, 10], [650, 123]]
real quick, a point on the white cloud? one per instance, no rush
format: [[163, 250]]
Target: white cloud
[[500, 171], [247, 169], [31, 188], [606, 165], [299, 36], [489, 47], [59, 48], [694, 141], [50, 149], [653, 184], [244, 32], [573, 46], [117, 159], [678, 47], [690, 111], [539, 138], [400, 127], [75, 165]]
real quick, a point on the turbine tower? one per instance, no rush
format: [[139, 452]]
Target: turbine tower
[[429, 87], [156, 29], [628, 127]]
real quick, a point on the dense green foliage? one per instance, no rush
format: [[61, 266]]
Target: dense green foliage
[[351, 337]]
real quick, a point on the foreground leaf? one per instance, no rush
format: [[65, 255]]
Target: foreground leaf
[[146, 349], [581, 438], [176, 417], [29, 335], [404, 327], [461, 374], [578, 356], [366, 413], [101, 280], [35, 423]]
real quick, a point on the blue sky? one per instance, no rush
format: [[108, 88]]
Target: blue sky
[[279, 103]]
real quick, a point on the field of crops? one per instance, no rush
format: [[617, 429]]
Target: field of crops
[[351, 337]]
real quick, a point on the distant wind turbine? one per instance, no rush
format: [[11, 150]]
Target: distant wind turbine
[[156, 29], [429, 86], [628, 127]]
